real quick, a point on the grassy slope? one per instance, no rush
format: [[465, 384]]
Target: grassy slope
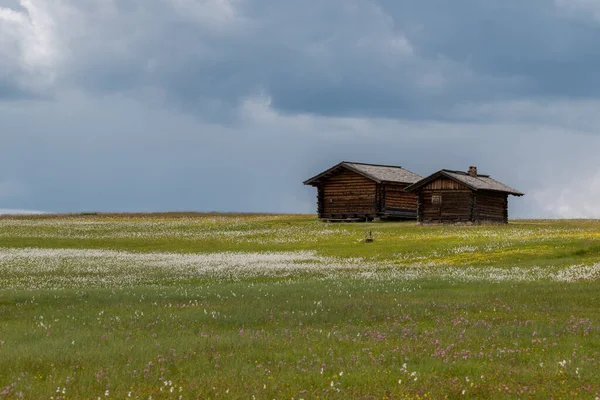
[[271, 337], [525, 242]]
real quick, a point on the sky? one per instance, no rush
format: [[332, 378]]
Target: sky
[[229, 105]]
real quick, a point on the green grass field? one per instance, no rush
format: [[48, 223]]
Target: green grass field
[[280, 307]]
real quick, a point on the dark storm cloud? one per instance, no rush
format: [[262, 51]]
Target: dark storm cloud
[[399, 59], [534, 41], [393, 59]]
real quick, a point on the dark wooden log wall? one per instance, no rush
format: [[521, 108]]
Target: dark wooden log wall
[[455, 206], [397, 198], [348, 195], [445, 184], [463, 206], [490, 206], [420, 206], [320, 199]]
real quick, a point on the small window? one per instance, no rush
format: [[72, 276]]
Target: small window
[[436, 199]]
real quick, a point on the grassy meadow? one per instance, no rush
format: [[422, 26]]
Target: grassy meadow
[[188, 306]]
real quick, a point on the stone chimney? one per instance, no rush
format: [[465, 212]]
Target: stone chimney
[[472, 170]]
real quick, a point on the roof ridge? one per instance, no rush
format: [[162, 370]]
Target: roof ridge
[[467, 174], [372, 165]]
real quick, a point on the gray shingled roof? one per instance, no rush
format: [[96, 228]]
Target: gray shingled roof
[[482, 182], [378, 173], [479, 182], [385, 173]]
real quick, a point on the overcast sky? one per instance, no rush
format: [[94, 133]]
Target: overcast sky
[[228, 105]]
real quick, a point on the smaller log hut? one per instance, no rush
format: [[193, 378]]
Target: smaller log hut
[[357, 191], [455, 196]]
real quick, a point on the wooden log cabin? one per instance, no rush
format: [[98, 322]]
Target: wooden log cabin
[[357, 191], [455, 196]]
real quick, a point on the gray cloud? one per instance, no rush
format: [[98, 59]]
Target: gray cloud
[[116, 154], [396, 59], [580, 9], [393, 59]]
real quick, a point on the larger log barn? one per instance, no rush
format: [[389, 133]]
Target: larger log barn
[[455, 196], [356, 191]]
